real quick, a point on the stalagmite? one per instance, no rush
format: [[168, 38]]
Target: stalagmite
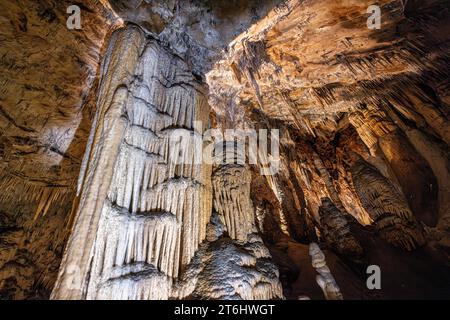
[[324, 279], [231, 270]]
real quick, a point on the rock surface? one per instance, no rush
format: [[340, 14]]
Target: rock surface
[[88, 166]]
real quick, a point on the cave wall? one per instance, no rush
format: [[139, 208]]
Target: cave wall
[[48, 76], [87, 158]]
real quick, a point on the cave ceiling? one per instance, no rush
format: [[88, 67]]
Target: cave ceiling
[[370, 106]]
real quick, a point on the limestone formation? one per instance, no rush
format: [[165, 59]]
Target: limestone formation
[[387, 207], [336, 230], [113, 136], [324, 279], [142, 213], [235, 264], [233, 270]]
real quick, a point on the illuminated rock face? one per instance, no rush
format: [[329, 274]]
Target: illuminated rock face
[[98, 202], [149, 210], [235, 264], [48, 80]]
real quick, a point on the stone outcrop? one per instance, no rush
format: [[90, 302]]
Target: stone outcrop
[[48, 79]]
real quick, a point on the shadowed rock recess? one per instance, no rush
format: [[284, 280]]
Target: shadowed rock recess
[[107, 188]]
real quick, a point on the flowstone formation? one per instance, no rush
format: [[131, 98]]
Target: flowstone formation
[[142, 190], [336, 230], [149, 209], [253, 149], [236, 263], [324, 278]]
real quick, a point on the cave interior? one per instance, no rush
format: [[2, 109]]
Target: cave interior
[[99, 201]]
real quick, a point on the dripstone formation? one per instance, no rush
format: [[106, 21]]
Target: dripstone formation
[[203, 149]]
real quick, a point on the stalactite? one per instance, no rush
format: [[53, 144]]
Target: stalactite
[[434, 154], [232, 187], [325, 175], [370, 122], [336, 230], [316, 180], [253, 54], [40, 210], [45, 196], [153, 210], [414, 174]]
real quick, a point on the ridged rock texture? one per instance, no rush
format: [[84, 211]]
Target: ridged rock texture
[[324, 278], [150, 210], [236, 263], [48, 80], [102, 194]]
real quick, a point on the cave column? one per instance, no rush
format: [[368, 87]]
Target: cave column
[[144, 201], [415, 177], [240, 249]]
